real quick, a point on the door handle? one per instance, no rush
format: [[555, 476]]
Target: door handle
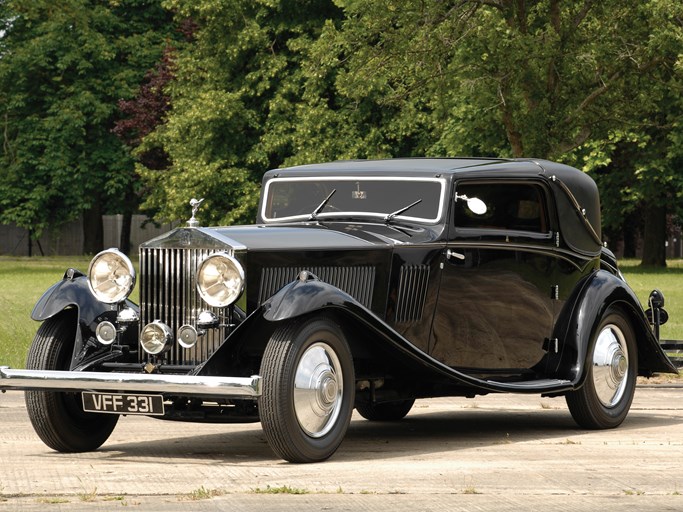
[[452, 254]]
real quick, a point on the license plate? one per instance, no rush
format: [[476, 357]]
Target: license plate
[[117, 403]]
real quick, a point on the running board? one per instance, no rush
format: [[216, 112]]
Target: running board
[[533, 386]]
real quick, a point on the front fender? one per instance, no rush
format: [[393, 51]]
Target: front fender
[[305, 295], [72, 292], [582, 314]]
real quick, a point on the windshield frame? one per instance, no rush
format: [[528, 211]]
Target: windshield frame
[[442, 182]]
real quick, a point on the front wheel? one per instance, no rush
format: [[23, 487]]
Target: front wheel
[[605, 398], [58, 417], [308, 390]]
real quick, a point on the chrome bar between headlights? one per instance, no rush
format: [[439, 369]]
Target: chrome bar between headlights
[[183, 385]]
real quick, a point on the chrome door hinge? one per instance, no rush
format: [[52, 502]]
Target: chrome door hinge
[[552, 345]]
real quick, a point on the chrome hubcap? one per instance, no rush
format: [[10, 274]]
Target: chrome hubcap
[[610, 365], [318, 390]]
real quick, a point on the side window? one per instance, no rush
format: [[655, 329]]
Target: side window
[[509, 207]]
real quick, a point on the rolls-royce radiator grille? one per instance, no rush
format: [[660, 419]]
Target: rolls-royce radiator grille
[[357, 281], [168, 293], [412, 292]]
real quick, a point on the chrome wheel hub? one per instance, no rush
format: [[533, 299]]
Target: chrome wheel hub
[[610, 365], [318, 389]]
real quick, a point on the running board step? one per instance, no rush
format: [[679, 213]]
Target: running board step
[[532, 386]]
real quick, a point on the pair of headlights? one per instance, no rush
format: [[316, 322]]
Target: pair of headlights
[[220, 278]]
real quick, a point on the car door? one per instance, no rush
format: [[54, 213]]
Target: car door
[[496, 304]]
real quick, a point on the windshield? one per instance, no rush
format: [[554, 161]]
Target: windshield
[[348, 197]]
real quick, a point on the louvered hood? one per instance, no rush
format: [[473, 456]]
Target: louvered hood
[[275, 255]]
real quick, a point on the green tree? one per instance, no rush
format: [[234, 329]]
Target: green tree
[[544, 79], [534, 78], [271, 82], [64, 66], [638, 166], [237, 81]]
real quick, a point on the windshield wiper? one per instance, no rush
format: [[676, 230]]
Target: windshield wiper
[[391, 216], [322, 205]]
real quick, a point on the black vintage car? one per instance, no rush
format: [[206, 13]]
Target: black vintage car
[[363, 284]]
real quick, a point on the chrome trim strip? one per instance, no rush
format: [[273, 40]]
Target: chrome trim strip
[[441, 181], [510, 246], [184, 385]]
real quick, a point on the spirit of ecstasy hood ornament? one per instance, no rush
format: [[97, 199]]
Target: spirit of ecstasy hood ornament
[[194, 203]]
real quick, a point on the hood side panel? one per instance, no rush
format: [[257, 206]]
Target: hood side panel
[[361, 274]]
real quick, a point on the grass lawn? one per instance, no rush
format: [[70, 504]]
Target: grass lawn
[[668, 281], [23, 281]]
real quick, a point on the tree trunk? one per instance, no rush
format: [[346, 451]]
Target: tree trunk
[[631, 234], [93, 231], [654, 236], [124, 241]]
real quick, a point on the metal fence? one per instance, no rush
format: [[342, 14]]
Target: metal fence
[[68, 239], [674, 349]]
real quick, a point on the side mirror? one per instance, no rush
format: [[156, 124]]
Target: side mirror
[[476, 205]]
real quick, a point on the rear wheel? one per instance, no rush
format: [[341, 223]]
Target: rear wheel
[[57, 417], [605, 398], [388, 411], [308, 390]]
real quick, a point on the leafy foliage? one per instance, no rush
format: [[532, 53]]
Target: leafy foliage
[[258, 84], [64, 66], [237, 81]]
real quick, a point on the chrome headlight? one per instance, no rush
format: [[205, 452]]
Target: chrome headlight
[[220, 280], [111, 276]]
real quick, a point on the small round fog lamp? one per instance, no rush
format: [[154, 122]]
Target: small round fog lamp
[[156, 338], [187, 336], [105, 333]]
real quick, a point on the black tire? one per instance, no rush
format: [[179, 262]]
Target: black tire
[[305, 419], [612, 367], [58, 417], [388, 411]]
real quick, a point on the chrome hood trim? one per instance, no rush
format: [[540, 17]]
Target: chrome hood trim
[[193, 238]]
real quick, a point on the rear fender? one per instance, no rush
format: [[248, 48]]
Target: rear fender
[[582, 314]]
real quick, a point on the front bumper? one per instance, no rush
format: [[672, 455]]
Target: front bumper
[[179, 385]]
